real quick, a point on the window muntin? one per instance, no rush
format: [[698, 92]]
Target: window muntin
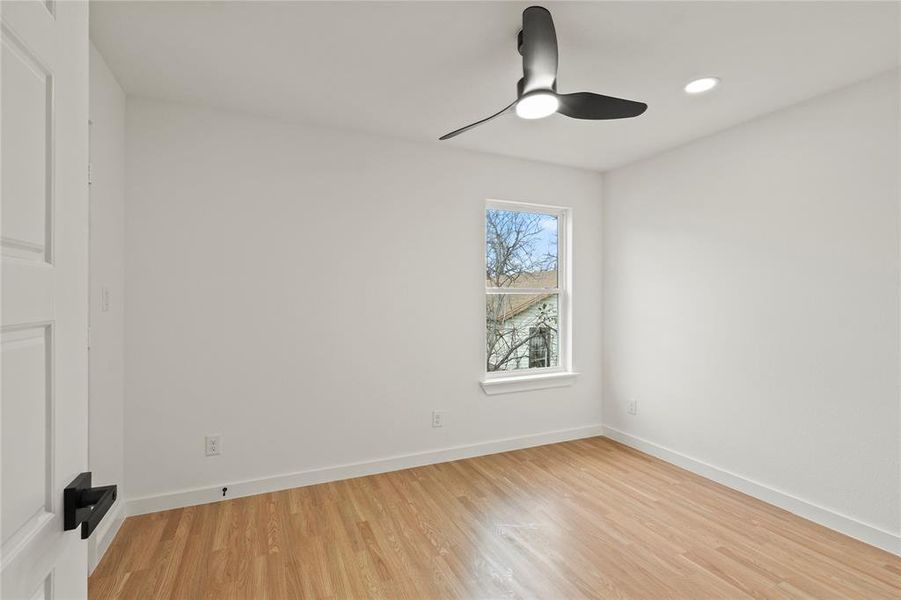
[[525, 295]]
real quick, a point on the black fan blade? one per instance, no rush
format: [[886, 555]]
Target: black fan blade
[[586, 105], [538, 49], [457, 132]]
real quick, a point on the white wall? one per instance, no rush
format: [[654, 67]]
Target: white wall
[[312, 295], [107, 247], [751, 304]]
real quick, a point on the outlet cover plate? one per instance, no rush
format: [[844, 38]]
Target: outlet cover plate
[[213, 445]]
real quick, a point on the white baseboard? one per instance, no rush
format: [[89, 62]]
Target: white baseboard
[[849, 526], [190, 497], [104, 535]]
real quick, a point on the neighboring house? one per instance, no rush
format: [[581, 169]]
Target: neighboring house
[[525, 326]]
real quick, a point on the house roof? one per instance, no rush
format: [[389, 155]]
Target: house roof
[[518, 303], [537, 279]]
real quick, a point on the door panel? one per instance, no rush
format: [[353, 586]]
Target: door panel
[[43, 314], [26, 116], [26, 429]]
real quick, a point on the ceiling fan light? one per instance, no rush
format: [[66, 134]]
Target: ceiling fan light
[[699, 86], [537, 106]]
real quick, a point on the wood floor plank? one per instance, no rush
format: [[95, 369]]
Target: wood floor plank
[[583, 519]]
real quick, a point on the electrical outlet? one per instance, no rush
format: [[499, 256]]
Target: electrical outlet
[[104, 299], [632, 407], [213, 445], [438, 417]]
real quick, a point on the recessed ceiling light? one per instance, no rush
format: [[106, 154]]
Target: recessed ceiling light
[[537, 106], [699, 86]]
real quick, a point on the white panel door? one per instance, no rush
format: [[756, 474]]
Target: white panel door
[[43, 314]]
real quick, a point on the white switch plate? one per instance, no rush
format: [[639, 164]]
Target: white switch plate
[[438, 418], [213, 445]]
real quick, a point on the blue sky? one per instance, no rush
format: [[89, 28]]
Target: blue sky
[[548, 240]]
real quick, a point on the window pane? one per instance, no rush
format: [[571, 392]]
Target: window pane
[[521, 249], [522, 331]]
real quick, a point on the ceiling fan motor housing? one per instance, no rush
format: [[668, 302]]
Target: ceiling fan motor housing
[[521, 84]]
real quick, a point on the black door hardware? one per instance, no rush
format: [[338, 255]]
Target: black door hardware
[[85, 505]]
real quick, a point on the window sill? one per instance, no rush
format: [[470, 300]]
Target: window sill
[[525, 383]]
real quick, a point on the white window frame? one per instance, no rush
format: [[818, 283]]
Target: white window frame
[[496, 382]]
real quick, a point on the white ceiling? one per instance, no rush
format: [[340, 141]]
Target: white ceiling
[[419, 70]]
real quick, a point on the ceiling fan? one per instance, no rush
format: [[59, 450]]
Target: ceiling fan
[[537, 95]]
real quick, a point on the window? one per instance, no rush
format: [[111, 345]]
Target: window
[[526, 298], [539, 347]]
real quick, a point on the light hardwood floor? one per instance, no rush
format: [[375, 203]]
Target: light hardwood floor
[[584, 519]]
